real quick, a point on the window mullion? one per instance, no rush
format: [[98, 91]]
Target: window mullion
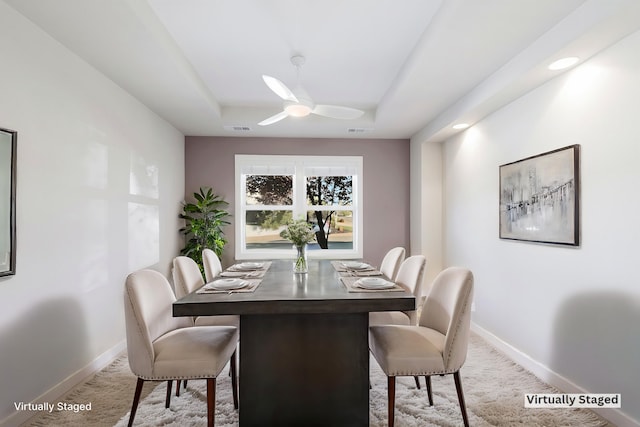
[[300, 192], [268, 207]]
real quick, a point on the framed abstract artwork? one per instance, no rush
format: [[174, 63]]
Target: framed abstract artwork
[[8, 139], [540, 198]]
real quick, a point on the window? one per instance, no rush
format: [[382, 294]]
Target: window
[[273, 190]]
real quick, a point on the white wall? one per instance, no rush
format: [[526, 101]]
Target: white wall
[[576, 311], [426, 207], [100, 180]]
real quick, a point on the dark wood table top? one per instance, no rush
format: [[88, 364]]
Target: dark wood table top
[[282, 291]]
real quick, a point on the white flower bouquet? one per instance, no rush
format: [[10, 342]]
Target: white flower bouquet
[[299, 233]]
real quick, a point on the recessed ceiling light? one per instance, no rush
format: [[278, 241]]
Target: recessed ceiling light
[[460, 126], [563, 63]]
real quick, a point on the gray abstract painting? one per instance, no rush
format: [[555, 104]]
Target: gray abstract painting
[[539, 198]]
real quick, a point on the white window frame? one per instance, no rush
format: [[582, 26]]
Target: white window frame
[[299, 164]]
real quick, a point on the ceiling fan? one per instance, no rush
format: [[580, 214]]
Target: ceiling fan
[[298, 103]]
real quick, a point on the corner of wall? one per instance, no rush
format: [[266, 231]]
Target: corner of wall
[[426, 204]]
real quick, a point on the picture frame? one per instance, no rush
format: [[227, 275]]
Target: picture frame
[[8, 157], [540, 198]]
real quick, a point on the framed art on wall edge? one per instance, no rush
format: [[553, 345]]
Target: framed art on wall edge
[[540, 198]]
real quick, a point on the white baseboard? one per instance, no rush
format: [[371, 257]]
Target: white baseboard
[[614, 416], [60, 389]]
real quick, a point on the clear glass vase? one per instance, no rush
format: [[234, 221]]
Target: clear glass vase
[[300, 263]]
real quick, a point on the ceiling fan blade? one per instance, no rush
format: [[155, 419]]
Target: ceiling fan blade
[[276, 118], [337, 112], [279, 88]]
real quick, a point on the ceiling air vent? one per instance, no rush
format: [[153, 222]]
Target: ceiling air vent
[[359, 130], [238, 128]]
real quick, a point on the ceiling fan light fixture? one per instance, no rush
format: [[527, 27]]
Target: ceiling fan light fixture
[[297, 110], [300, 104]]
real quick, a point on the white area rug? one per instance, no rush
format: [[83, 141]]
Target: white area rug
[[494, 389]]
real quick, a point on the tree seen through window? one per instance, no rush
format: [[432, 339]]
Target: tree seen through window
[[327, 197]]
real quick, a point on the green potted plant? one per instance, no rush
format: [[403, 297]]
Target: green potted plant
[[204, 221]]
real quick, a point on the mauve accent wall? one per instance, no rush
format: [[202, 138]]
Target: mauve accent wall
[[209, 161]]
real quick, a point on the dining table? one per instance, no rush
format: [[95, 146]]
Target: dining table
[[304, 353]]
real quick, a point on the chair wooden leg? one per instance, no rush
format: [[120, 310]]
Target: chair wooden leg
[[211, 401], [136, 399], [463, 408], [168, 401], [234, 380], [417, 380], [181, 382], [391, 390], [429, 394]]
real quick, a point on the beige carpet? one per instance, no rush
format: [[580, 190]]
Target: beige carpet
[[494, 389]]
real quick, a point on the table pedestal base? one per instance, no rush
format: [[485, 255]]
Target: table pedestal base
[[304, 370]]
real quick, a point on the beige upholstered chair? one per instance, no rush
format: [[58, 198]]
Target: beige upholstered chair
[[437, 345], [166, 348], [186, 276], [410, 276], [211, 263], [186, 279], [391, 262]]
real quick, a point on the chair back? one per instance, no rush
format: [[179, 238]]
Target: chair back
[[212, 265], [410, 276], [148, 315], [447, 310], [186, 276], [391, 262]]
